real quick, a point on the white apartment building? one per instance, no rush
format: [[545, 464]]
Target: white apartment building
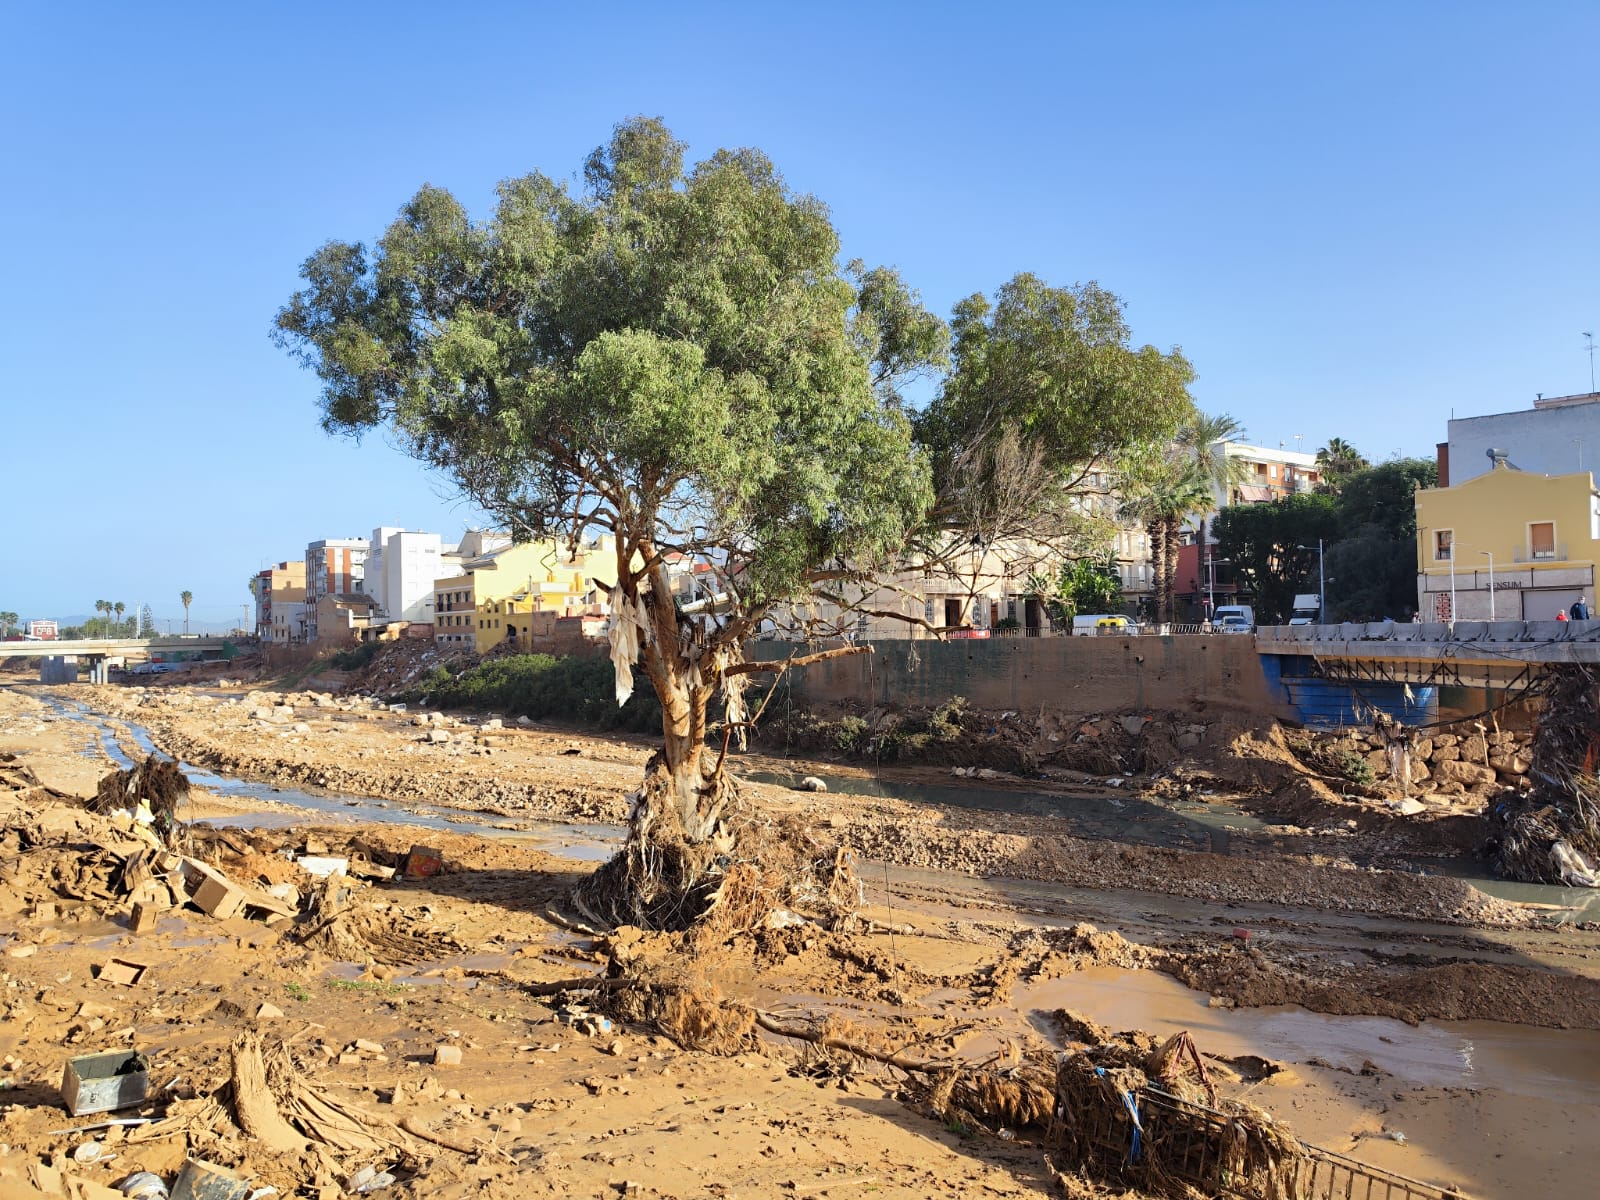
[[400, 572]]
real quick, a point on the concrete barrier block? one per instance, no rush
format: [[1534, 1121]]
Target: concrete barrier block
[[1470, 631], [1505, 631], [1546, 631]]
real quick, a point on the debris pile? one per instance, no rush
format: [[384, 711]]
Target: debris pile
[[1552, 833], [1131, 1110]]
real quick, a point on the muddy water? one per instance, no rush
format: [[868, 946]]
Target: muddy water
[[290, 806], [1559, 1065]]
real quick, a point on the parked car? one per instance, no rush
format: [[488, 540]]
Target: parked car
[[1094, 624], [1233, 624]]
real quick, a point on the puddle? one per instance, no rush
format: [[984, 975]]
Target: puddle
[[1554, 1064]]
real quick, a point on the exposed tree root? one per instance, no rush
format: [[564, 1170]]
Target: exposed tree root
[[734, 871]]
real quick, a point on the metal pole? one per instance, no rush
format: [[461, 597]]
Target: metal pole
[[1452, 582], [1211, 583], [1490, 557], [1322, 587]]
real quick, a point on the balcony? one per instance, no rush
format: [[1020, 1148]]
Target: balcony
[[1541, 554]]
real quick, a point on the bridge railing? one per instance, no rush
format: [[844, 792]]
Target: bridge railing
[[1431, 631]]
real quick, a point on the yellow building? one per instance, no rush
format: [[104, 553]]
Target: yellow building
[[477, 609], [1509, 545]]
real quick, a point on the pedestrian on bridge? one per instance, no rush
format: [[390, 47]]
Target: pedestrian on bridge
[[1580, 610]]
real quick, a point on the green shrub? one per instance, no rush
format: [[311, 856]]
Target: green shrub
[[945, 722], [579, 690], [849, 733], [355, 657], [1354, 767]]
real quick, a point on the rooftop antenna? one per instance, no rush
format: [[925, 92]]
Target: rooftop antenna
[[1590, 336]]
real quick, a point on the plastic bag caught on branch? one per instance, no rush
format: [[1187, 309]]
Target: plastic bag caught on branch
[[627, 633]]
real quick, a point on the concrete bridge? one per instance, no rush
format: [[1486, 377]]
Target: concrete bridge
[[98, 653], [1327, 672]]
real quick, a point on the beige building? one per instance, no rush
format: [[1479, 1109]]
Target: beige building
[[268, 585]]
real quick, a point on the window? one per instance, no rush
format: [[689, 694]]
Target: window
[[1542, 539], [1442, 541]]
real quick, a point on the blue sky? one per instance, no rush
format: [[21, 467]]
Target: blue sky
[[1354, 219]]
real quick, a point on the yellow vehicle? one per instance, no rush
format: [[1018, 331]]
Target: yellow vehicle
[[1113, 626]]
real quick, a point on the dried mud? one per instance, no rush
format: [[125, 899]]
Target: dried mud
[[548, 1101]]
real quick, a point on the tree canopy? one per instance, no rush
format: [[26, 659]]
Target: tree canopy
[[673, 356], [1048, 377], [1339, 461]]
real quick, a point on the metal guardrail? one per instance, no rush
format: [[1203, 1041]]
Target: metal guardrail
[[1202, 1147]]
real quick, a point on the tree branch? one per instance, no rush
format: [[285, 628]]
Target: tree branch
[[794, 660]]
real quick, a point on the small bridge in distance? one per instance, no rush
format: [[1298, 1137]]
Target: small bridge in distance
[[99, 652]]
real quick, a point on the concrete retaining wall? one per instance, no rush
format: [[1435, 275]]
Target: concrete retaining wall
[[1076, 675]]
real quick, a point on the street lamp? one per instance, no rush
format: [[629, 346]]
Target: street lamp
[[1322, 587], [1490, 557]]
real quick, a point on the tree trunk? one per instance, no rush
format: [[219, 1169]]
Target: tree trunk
[[1173, 544], [1158, 559], [677, 837]]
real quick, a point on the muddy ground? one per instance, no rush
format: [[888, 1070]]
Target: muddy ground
[[1419, 1024]]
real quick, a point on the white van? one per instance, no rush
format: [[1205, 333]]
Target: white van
[[1224, 611]]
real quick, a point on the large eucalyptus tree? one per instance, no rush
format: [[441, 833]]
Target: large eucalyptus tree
[[674, 356]]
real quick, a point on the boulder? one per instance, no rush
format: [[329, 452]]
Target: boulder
[[1468, 775], [1444, 754], [1474, 749]]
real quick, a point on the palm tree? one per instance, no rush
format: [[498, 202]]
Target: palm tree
[[1206, 439], [1165, 492], [104, 606], [187, 597], [1337, 461], [119, 607], [7, 620]]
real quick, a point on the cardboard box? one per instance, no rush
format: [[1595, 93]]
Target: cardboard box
[[122, 971], [143, 917], [423, 863], [103, 1082], [219, 898], [201, 1180]]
